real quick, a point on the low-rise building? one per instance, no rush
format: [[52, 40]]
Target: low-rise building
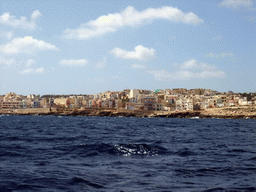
[[36, 104], [231, 103], [22, 105], [159, 107], [118, 104], [149, 103], [243, 101], [130, 105], [220, 102], [10, 105], [62, 102], [111, 103]]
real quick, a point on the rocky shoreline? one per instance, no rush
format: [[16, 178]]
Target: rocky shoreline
[[223, 113]]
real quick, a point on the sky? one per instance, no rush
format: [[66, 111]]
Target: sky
[[88, 47]]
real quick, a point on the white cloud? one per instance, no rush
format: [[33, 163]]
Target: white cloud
[[237, 4], [162, 75], [23, 22], [209, 74], [73, 62], [25, 45], [7, 35], [32, 71], [128, 17], [35, 15], [190, 64], [102, 64], [139, 53], [137, 66], [191, 69], [195, 65], [221, 55], [40, 70], [30, 62]]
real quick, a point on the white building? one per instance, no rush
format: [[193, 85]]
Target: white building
[[133, 93]]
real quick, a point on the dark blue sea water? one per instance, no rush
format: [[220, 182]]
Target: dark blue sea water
[[49, 153]]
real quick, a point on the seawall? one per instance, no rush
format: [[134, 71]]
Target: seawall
[[29, 111]]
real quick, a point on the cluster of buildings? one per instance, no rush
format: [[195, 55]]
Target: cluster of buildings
[[14, 101], [135, 99]]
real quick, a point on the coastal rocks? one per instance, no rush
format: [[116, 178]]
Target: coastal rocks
[[122, 114], [103, 113], [230, 112], [223, 113], [179, 115]]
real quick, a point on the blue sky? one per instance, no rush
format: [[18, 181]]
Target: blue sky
[[87, 47]]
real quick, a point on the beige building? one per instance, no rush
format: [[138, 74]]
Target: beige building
[[10, 105], [43, 103], [62, 102]]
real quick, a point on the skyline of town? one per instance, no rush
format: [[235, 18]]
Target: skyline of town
[[70, 94], [178, 99]]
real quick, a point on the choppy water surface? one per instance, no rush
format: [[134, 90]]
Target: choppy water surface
[[126, 154]]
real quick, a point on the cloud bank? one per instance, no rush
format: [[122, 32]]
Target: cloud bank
[[188, 70], [26, 45], [32, 71], [139, 53], [10, 20], [237, 4], [129, 17]]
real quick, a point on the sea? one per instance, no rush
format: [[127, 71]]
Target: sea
[[121, 154]]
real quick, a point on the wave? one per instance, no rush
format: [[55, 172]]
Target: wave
[[139, 149], [83, 150], [118, 149]]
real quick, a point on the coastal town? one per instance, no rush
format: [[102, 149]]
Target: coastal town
[[160, 101]]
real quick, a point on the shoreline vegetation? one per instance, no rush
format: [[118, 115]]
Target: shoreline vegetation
[[248, 112]]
